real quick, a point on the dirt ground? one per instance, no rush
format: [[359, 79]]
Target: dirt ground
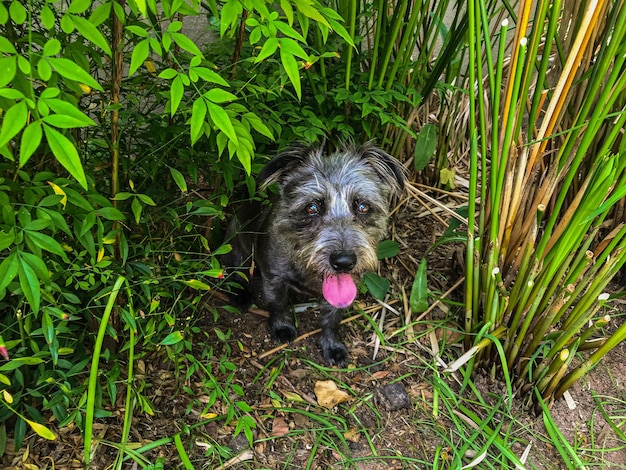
[[409, 437]]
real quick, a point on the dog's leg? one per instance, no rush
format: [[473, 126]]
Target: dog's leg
[[333, 350], [276, 301]]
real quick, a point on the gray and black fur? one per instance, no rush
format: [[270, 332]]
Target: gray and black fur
[[329, 215]]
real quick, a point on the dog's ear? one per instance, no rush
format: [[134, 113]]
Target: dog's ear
[[275, 170], [388, 168]]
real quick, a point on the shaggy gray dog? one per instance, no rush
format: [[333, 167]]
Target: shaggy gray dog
[[317, 236]]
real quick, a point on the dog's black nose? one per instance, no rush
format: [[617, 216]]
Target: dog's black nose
[[343, 260]]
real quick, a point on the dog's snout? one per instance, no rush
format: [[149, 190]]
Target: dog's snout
[[343, 260]]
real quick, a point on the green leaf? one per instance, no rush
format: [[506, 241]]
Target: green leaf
[[258, 125], [172, 338], [6, 240], [176, 94], [168, 74], [31, 139], [291, 67], [291, 46], [66, 154], [136, 208], [267, 50], [110, 213], [17, 12], [340, 30], [47, 327], [179, 179], [78, 6], [187, 44], [140, 54], [41, 430], [197, 284], [9, 268], [230, 14], [141, 6], [145, 199], [63, 121], [100, 14], [287, 30], [30, 285], [311, 12], [222, 120], [13, 121], [19, 362], [37, 264], [377, 285], [45, 242], [425, 146], [51, 47], [418, 301], [71, 70], [210, 76], [387, 249], [92, 34], [287, 9], [47, 17], [217, 95], [8, 68], [198, 114]]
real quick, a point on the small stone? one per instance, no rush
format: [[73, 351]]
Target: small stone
[[239, 443], [392, 397]]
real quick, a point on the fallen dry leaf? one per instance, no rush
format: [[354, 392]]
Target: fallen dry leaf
[[352, 435], [328, 395], [381, 374], [279, 427]]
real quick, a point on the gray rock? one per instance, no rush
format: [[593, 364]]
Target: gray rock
[[392, 397]]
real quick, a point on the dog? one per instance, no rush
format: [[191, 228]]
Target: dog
[[317, 235]]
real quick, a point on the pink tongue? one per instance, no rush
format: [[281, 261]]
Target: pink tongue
[[339, 290]]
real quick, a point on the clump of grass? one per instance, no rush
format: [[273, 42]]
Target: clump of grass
[[546, 129]]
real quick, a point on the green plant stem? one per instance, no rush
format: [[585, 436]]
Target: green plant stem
[[93, 371], [352, 7], [617, 337], [398, 17], [472, 256]]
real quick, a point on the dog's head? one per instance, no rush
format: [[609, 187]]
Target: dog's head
[[332, 211], [390, 171]]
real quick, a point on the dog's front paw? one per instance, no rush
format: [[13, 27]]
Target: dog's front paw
[[334, 352], [282, 331]]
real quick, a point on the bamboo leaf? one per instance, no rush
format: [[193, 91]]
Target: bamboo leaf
[[71, 70], [293, 72], [91, 33], [140, 53], [13, 121], [210, 76], [222, 120], [217, 95], [41, 430], [176, 94], [196, 123], [258, 125], [66, 154], [387, 249], [377, 286], [30, 285], [418, 301], [179, 179], [425, 146], [172, 338], [267, 50], [31, 138]]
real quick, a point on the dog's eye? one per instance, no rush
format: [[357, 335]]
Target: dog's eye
[[362, 207], [314, 208]]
